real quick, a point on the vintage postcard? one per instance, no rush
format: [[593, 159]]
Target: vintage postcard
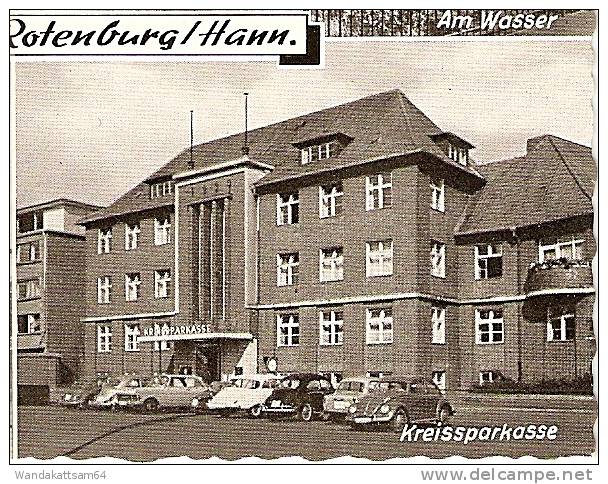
[[351, 235]]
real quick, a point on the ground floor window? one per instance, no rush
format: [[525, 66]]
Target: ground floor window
[[439, 379], [288, 330], [378, 374], [131, 335], [490, 326], [28, 323], [438, 322], [379, 325], [561, 325], [162, 345], [331, 327], [104, 338], [486, 376]]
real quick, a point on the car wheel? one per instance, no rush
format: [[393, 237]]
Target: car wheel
[[400, 420], [255, 411], [444, 415], [305, 414], [151, 405]]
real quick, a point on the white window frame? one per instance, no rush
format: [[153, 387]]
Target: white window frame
[[490, 378], [291, 322], [104, 338], [32, 249], [161, 189], [437, 194], [328, 206], [492, 319], [494, 251], [573, 243], [379, 185], [438, 325], [104, 240], [132, 286], [163, 345], [458, 154], [162, 283], [33, 289], [132, 236], [335, 271], [316, 152], [438, 259], [379, 258], [162, 230], [287, 201], [33, 320], [384, 318], [562, 318], [439, 378], [335, 322], [132, 333], [104, 289], [288, 265]]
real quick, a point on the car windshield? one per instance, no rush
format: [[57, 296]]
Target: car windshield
[[292, 383], [247, 383], [352, 386]]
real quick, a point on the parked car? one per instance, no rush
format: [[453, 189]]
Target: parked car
[[80, 393], [107, 396], [398, 401], [349, 391], [247, 393], [165, 391], [298, 394]]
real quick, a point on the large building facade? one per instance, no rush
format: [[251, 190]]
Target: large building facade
[[357, 239], [50, 257]]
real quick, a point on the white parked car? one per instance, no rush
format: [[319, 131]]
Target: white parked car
[[349, 391], [108, 395], [247, 393]]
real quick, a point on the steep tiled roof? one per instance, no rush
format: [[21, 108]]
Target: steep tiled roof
[[554, 180], [381, 126]]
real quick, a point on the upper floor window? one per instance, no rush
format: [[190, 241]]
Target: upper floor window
[[458, 154], [131, 335], [488, 261], [28, 289], [104, 338], [162, 230], [28, 222], [489, 326], [104, 241], [287, 269], [331, 330], [330, 200], [162, 282], [288, 208], [161, 189], [379, 258], [132, 283], [379, 325], [438, 322], [437, 258], [561, 324], [288, 330], [104, 288], [28, 252], [331, 264], [438, 194], [378, 189], [569, 247], [28, 323], [131, 236]]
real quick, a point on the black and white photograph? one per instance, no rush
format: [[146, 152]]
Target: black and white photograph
[[373, 239]]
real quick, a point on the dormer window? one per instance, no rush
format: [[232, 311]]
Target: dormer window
[[456, 148], [458, 154], [322, 147], [161, 189]]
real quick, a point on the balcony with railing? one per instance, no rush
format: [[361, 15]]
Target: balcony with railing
[[558, 276]]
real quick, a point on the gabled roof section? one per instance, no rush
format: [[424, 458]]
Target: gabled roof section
[[553, 181], [380, 126], [58, 202]]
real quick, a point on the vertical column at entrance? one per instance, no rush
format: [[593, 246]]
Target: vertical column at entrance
[[217, 262], [204, 263]]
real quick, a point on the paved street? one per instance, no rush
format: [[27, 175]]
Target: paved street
[[46, 432]]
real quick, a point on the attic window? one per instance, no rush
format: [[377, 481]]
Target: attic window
[[458, 154], [320, 151], [161, 189]]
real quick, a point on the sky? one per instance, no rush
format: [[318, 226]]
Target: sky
[[91, 130]]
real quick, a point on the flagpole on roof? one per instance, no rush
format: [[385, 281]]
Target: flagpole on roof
[[191, 163], [246, 146]]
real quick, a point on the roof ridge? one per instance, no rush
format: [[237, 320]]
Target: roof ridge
[[569, 170]]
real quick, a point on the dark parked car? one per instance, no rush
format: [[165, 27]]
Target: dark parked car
[[298, 394], [397, 401], [80, 393]]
